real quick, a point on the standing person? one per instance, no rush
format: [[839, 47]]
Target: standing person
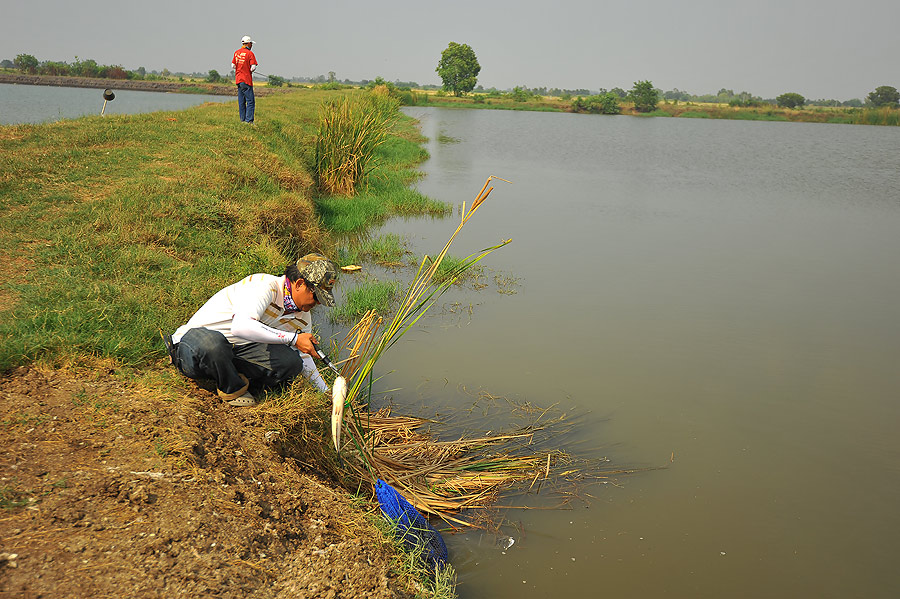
[[256, 334], [244, 63]]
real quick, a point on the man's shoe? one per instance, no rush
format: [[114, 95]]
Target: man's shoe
[[244, 401], [241, 398]]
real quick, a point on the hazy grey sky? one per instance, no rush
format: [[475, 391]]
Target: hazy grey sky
[[820, 49]]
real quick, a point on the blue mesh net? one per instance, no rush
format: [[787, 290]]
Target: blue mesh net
[[412, 527]]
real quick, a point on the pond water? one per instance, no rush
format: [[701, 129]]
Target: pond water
[[720, 298], [44, 103]]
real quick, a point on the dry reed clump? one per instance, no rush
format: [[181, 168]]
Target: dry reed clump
[[445, 477], [442, 478], [350, 130]]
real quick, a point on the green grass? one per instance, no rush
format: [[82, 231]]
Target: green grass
[[877, 116], [115, 227], [368, 295], [453, 269], [410, 565], [694, 114], [384, 248]]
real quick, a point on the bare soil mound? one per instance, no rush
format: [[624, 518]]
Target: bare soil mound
[[109, 491]]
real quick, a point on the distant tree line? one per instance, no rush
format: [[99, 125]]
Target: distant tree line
[[882, 96], [460, 68], [26, 63]]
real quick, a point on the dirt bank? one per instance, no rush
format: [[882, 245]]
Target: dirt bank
[[221, 89], [108, 490]]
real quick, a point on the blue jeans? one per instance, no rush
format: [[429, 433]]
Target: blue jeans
[[206, 354], [246, 102]]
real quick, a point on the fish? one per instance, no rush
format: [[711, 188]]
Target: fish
[[338, 396]]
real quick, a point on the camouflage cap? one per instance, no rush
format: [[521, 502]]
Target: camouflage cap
[[321, 273]]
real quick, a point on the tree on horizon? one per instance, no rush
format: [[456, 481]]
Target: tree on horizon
[[458, 69], [884, 95], [644, 96]]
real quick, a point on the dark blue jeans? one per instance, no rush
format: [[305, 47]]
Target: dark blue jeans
[[206, 354], [246, 102]]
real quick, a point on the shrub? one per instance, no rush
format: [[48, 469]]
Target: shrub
[[53, 68], [607, 103], [521, 94], [26, 63], [644, 96]]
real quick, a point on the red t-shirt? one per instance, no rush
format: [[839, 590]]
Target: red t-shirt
[[242, 60]]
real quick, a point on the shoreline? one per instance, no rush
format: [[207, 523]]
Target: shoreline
[[214, 89], [883, 116]]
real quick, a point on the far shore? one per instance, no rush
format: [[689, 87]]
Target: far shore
[[814, 114], [187, 87]]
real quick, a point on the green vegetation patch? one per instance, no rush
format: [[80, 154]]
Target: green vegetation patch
[[388, 248], [368, 295], [455, 270], [384, 192]]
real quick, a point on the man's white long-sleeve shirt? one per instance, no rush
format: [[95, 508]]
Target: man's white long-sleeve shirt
[[251, 310]]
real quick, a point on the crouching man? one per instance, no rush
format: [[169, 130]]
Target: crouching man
[[256, 334]]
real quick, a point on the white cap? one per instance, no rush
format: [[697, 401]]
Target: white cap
[[246, 40]]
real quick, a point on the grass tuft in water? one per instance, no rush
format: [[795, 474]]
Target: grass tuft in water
[[454, 270], [388, 248], [368, 295]]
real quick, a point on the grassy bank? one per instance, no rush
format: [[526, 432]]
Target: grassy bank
[[115, 227]]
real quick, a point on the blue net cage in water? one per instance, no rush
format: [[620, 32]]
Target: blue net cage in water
[[412, 527]]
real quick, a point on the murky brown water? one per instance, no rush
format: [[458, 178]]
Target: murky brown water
[[727, 291]]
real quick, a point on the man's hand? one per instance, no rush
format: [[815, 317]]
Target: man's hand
[[305, 343]]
